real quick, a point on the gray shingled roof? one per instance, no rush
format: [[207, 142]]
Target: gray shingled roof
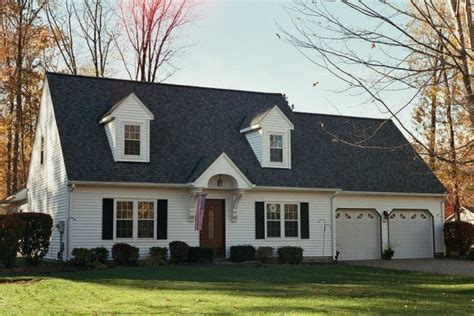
[[194, 125]]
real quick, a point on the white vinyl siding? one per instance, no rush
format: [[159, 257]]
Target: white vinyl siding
[[275, 123], [47, 183], [87, 209], [255, 140]]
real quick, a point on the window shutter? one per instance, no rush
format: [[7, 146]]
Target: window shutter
[[107, 219], [304, 213], [259, 220], [162, 220]]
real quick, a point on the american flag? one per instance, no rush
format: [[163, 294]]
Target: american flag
[[200, 205]]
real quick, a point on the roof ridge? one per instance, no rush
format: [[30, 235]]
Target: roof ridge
[[343, 116], [161, 83]]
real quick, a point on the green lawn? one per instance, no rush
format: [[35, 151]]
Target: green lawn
[[231, 289]]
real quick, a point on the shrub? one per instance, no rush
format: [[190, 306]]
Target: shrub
[[35, 241], [264, 254], [83, 257], [200, 254], [242, 253], [157, 257], [11, 230], [458, 238], [179, 252], [125, 254], [290, 255], [388, 253], [159, 252], [100, 254]]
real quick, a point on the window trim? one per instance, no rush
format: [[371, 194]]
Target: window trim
[[282, 135], [135, 219], [131, 123], [282, 220]]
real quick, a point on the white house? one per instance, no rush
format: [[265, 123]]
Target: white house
[[123, 161]]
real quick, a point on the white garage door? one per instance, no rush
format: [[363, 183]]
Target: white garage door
[[358, 234], [411, 234]]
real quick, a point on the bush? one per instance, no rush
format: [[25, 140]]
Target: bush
[[82, 257], [200, 254], [35, 241], [125, 254], [290, 255], [100, 254], [242, 253], [179, 252], [264, 254], [388, 253], [458, 238], [11, 230], [160, 253], [157, 257]]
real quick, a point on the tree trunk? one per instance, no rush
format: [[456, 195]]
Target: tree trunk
[[432, 143]]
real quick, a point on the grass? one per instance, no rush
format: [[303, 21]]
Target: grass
[[331, 289]]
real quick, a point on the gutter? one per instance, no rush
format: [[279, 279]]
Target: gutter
[[132, 184], [272, 188], [394, 193]]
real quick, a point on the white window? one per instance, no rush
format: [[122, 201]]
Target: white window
[[124, 226], [135, 219], [146, 219], [132, 140], [282, 220], [276, 148]]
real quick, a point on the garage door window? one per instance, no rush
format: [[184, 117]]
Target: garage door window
[[282, 220]]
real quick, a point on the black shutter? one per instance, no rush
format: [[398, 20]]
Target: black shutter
[[162, 220], [304, 212], [107, 219], [259, 220]]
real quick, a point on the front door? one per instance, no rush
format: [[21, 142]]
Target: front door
[[212, 232]]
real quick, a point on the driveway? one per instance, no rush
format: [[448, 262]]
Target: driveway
[[445, 266]]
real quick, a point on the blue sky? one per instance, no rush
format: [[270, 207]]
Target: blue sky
[[237, 48]]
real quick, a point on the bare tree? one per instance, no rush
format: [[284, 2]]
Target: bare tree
[[389, 47], [60, 16], [151, 28], [420, 48], [99, 30]]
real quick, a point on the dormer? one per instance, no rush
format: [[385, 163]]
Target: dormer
[[269, 134], [127, 125]]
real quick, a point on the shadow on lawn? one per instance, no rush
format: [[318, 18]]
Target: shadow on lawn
[[279, 281]]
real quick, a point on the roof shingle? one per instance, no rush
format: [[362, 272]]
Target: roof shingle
[[194, 125]]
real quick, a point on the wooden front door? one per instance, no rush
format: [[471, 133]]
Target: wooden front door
[[212, 234]]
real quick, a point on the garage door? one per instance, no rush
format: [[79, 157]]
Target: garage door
[[411, 234], [358, 234]]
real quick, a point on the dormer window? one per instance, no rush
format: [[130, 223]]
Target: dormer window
[[127, 126], [269, 135], [132, 140], [276, 148]]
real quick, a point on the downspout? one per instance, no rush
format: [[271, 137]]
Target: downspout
[[333, 223], [443, 200], [70, 189]]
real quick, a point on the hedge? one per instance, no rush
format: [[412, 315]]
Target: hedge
[[179, 252], [34, 243], [242, 253], [11, 231], [458, 238], [290, 255], [125, 254], [200, 254]]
